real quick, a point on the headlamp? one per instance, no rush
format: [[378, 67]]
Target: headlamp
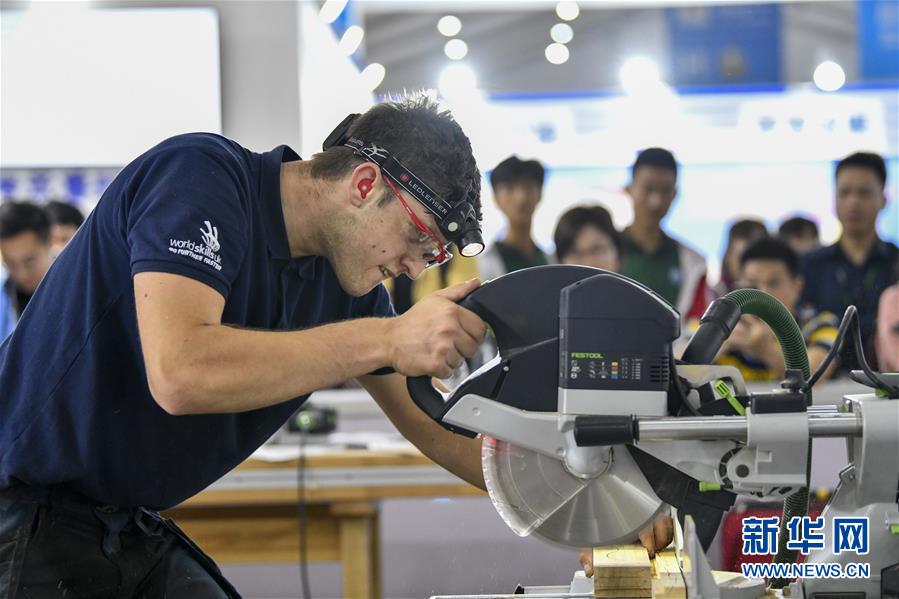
[[456, 218]]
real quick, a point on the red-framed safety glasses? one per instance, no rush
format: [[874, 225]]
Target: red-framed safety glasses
[[439, 255]]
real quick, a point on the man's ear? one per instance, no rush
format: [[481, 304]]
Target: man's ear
[[362, 182]]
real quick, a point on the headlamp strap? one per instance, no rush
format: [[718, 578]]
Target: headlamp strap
[[402, 175], [452, 218]]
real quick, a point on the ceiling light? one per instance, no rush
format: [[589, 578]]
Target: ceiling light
[[567, 10], [455, 49], [457, 80], [557, 53], [561, 33], [351, 39], [829, 76], [639, 74], [331, 9], [373, 75], [449, 25]]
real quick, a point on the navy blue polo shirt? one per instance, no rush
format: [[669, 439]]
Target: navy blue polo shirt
[[76, 410], [833, 282]]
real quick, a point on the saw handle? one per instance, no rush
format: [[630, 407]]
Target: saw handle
[[422, 390], [426, 396], [596, 431]]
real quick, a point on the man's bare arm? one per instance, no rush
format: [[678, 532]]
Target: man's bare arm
[[458, 454], [195, 364]]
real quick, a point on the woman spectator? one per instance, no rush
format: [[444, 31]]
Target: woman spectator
[[585, 235]]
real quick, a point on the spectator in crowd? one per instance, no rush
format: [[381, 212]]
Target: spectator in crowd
[[64, 219], [668, 267], [888, 330], [586, 235], [25, 248], [517, 189], [771, 266], [801, 234], [740, 235], [859, 266]]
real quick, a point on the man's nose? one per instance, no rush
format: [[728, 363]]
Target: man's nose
[[414, 268]]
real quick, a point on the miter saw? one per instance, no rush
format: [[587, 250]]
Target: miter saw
[[591, 428]]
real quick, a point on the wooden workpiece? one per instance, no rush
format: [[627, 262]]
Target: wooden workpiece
[[627, 571], [622, 571], [667, 578]]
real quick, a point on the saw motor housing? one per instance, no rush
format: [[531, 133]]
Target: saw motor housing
[[615, 347]]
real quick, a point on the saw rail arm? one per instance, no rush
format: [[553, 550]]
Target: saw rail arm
[[821, 423]]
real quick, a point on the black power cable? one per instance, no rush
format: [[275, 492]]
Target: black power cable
[[875, 377], [681, 392], [834, 349], [850, 320]]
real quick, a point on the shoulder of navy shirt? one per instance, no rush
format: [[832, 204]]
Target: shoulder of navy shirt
[[883, 250], [832, 282], [76, 408]]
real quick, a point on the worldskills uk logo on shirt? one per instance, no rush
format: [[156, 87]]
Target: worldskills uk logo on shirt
[[206, 252]]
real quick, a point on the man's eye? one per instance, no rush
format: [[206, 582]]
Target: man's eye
[[423, 237]]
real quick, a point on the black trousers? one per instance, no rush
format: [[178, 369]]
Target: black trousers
[[54, 544]]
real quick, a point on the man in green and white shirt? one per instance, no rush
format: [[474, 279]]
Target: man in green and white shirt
[[650, 256], [517, 189]]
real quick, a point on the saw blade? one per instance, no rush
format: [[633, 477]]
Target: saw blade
[[535, 494]]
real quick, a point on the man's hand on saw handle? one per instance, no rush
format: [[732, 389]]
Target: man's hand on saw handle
[[436, 334], [654, 538]]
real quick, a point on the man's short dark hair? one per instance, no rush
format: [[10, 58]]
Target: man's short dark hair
[[867, 160], [657, 158], [797, 226], [63, 213], [515, 170], [23, 217], [770, 248], [573, 222], [427, 140]]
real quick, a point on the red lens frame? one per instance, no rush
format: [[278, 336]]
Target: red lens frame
[[442, 256]]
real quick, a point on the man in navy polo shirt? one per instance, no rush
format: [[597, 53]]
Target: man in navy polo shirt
[[210, 291], [859, 266]]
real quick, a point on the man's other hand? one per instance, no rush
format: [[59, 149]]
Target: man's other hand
[[654, 538]]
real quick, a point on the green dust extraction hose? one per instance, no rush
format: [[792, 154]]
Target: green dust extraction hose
[[758, 303], [717, 324]]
